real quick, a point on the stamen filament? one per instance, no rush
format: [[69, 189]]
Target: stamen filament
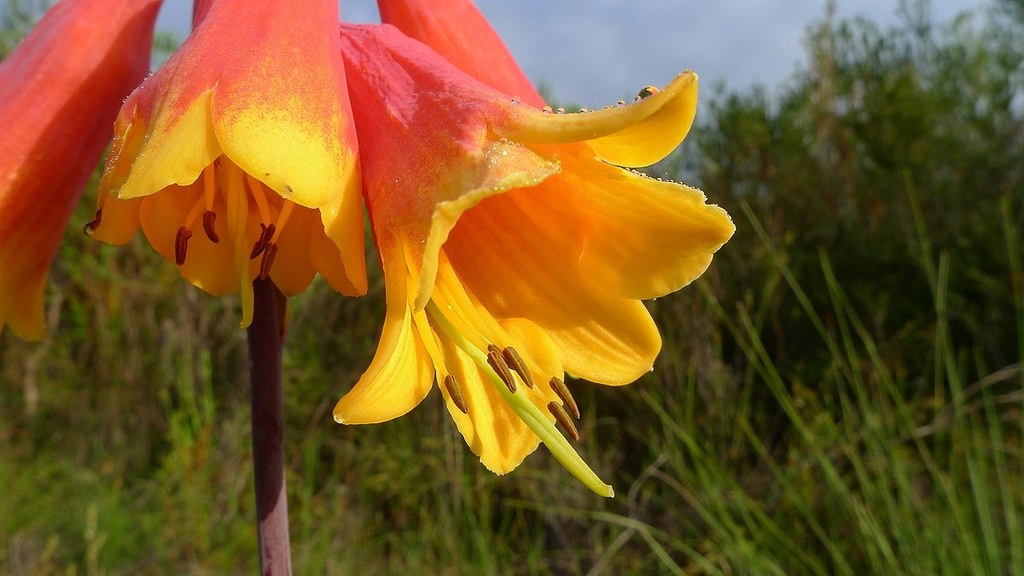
[[256, 190], [282, 218], [527, 411], [194, 212], [209, 186]]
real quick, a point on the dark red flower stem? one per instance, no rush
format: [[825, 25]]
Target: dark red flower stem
[[266, 344]]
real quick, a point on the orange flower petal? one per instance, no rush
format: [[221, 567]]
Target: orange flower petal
[[50, 146], [457, 30]]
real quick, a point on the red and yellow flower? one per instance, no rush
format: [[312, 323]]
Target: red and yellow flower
[[238, 158], [514, 247], [57, 101]]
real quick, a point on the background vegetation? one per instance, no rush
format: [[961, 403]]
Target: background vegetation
[[840, 394]]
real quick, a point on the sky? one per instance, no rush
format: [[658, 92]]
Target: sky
[[594, 52]]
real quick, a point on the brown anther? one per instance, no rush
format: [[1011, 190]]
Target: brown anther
[[497, 362], [181, 245], [89, 228], [647, 92], [266, 233], [209, 221], [559, 387], [562, 418], [515, 362], [268, 260], [455, 393]]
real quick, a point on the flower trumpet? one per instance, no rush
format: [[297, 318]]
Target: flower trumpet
[[514, 247], [231, 131]]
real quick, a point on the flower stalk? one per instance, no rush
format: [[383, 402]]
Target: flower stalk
[[266, 345]]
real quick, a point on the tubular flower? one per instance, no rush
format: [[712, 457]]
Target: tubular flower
[[237, 161], [49, 147], [513, 250]]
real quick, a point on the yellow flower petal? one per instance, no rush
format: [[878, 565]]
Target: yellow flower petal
[[523, 263], [400, 375], [519, 168], [175, 150], [644, 238], [634, 135]]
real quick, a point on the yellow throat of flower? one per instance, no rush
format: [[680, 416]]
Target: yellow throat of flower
[[257, 232]]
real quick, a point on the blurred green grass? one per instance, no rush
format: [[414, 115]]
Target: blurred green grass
[[840, 394]]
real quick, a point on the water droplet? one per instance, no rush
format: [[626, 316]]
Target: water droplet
[[516, 100], [546, 110], [560, 110], [647, 92]]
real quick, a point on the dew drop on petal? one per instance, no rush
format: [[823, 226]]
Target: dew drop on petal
[[647, 92]]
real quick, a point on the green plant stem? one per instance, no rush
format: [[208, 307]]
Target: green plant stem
[[266, 343]]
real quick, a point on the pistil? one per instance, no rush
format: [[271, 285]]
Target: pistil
[[521, 404]]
